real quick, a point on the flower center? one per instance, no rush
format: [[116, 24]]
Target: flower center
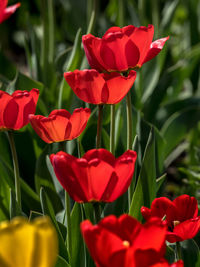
[[175, 223], [126, 243]]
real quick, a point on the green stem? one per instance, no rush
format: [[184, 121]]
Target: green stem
[[99, 126], [97, 211], [68, 241], [112, 129], [129, 133], [129, 121], [121, 12], [178, 251], [16, 168]]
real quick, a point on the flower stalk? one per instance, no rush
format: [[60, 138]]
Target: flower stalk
[[112, 129], [178, 251], [99, 126], [97, 211], [16, 168], [69, 237]]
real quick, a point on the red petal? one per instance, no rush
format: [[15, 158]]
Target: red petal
[[26, 102], [101, 242], [54, 128], [162, 206], [187, 229], [91, 46], [142, 38], [101, 154], [118, 86], [146, 213], [72, 174], [79, 120], [100, 176], [124, 168], [93, 87], [151, 236], [179, 263], [155, 49], [86, 84], [7, 12], [8, 112], [187, 207], [39, 128], [117, 51]]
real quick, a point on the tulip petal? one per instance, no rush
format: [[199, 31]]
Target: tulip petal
[[86, 84], [92, 46], [60, 125], [7, 118], [124, 168], [100, 174], [118, 86], [186, 206], [142, 37], [125, 242], [99, 88], [79, 120], [185, 230], [102, 154], [7, 12], [72, 174], [28, 244], [27, 105], [155, 49]]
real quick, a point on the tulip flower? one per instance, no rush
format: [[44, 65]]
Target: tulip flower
[[6, 12], [99, 88], [121, 49], [60, 125], [125, 242], [15, 108], [28, 244], [181, 216], [97, 176]]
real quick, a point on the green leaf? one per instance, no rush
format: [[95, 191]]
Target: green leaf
[[44, 179], [190, 252], [61, 262], [78, 252], [34, 214], [47, 209], [65, 92], [160, 181], [14, 207], [4, 196], [145, 190], [177, 127]]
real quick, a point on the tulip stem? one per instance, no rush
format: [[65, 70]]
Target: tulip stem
[[97, 211], [99, 126], [129, 133], [129, 121], [68, 211], [16, 168], [112, 129], [178, 251]]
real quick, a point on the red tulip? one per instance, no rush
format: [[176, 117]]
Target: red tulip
[[6, 12], [181, 216], [97, 176], [121, 49], [99, 88], [15, 108], [125, 242], [60, 125]]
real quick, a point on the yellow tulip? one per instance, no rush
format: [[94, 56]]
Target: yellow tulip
[[28, 244]]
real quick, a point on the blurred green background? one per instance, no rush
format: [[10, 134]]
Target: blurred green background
[[43, 39], [167, 90]]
